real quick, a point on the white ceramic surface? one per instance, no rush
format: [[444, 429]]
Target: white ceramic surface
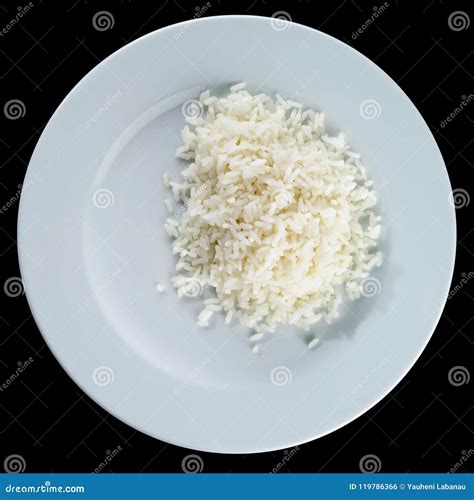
[[92, 244]]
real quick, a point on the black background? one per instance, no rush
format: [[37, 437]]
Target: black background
[[422, 426]]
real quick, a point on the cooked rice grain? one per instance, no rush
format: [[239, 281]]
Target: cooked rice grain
[[277, 215]]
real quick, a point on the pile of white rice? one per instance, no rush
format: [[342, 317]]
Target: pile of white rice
[[277, 216]]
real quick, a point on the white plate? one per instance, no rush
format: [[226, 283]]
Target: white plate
[[92, 244]]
